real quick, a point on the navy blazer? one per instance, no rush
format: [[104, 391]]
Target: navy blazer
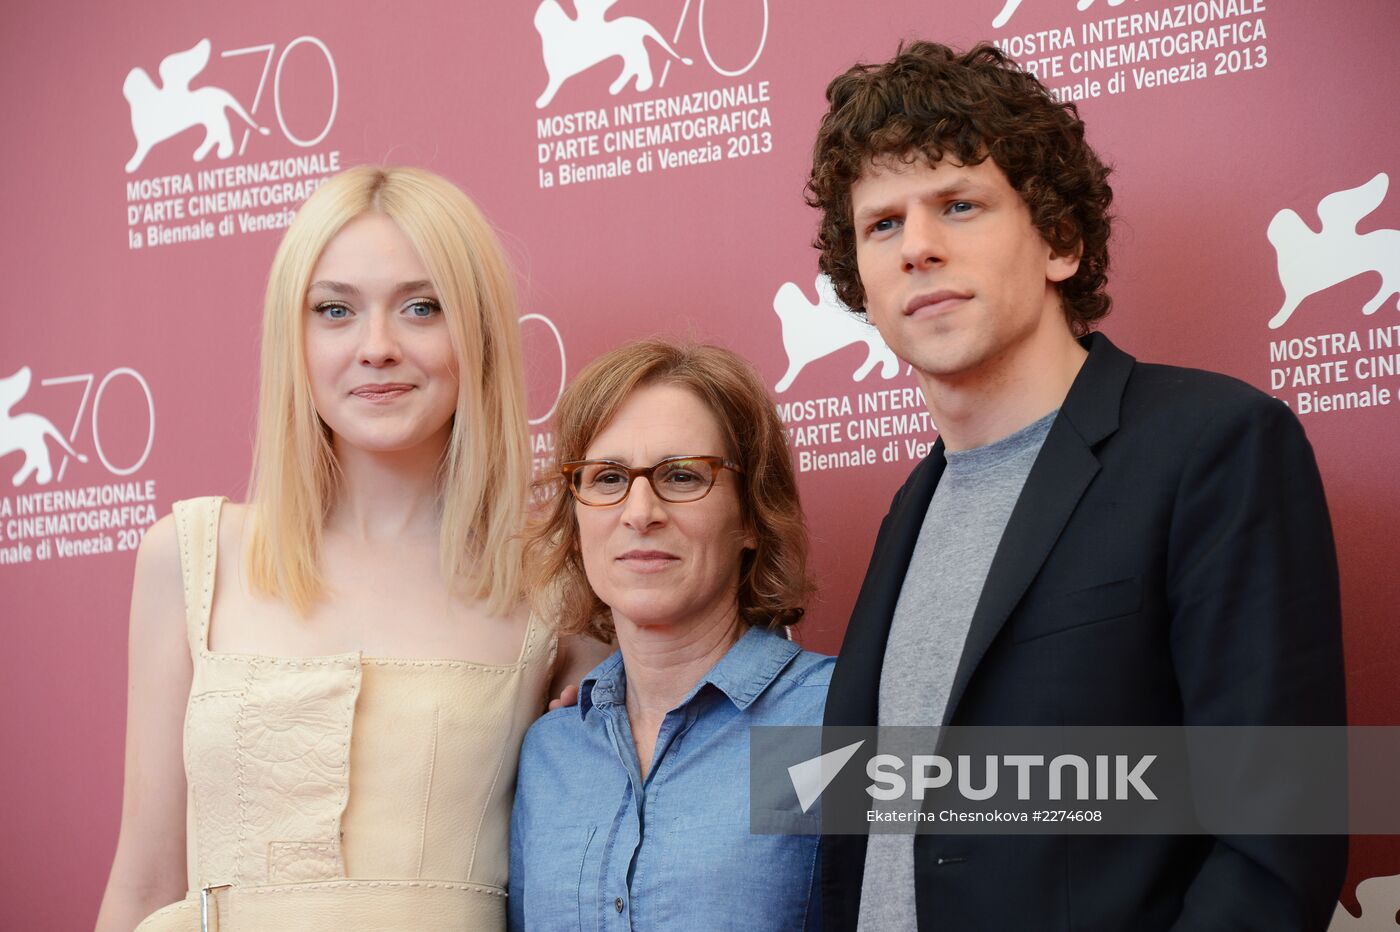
[[1170, 561]]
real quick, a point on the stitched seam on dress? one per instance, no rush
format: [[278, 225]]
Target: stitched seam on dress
[[270, 660], [466, 665], [323, 847], [486, 803], [427, 795], [313, 887], [211, 543], [201, 840], [201, 861], [529, 641], [280, 852], [337, 829], [241, 778], [182, 533], [215, 694]]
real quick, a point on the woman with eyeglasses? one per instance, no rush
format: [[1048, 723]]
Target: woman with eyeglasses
[[677, 531]]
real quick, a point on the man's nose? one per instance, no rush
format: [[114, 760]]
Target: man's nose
[[922, 244]]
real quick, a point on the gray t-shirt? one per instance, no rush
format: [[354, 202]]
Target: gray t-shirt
[[959, 537]]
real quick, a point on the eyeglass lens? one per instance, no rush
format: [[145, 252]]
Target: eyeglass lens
[[672, 480]]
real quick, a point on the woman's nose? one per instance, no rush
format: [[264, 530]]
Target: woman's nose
[[379, 346], [642, 510]]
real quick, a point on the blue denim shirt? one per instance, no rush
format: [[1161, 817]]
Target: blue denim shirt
[[595, 846]]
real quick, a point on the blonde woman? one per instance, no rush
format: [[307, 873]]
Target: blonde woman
[[329, 685]]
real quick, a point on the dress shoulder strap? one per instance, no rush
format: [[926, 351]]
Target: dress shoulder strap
[[197, 531], [538, 655]]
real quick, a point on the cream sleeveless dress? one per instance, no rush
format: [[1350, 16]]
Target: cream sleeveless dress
[[344, 792]]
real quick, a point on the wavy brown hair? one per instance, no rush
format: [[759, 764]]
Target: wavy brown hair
[[931, 102], [773, 581]]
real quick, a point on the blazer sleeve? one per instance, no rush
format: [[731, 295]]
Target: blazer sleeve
[[1256, 640]]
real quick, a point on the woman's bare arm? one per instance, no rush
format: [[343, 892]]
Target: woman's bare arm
[[149, 868], [577, 655]]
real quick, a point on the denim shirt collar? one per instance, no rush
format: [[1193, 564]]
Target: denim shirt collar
[[742, 674]]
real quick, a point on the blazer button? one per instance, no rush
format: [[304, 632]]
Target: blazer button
[[618, 903]]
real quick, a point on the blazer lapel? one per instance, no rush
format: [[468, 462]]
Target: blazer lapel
[[1062, 471], [853, 697]]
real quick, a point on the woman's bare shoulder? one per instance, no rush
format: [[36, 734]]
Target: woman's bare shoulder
[[158, 580], [158, 591], [158, 557]]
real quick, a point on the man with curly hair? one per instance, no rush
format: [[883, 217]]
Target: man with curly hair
[[1092, 541]]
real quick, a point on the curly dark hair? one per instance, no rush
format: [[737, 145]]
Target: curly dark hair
[[932, 102], [773, 579]]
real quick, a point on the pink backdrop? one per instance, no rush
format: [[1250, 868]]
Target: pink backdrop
[[134, 296]]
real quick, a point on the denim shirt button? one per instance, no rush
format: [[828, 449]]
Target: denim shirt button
[[618, 903]]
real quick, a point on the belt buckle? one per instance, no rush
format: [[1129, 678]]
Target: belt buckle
[[204, 899]]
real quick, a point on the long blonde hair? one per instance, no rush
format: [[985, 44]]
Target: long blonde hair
[[484, 477]]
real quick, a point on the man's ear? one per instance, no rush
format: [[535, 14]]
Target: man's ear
[[1060, 267]]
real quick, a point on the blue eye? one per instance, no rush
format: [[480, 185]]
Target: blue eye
[[961, 207], [881, 226], [422, 310], [332, 311]]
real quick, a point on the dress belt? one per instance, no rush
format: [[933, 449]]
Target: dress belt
[[334, 906]]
